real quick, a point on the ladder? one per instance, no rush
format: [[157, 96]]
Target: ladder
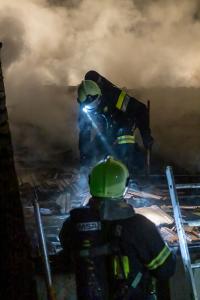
[[188, 265]]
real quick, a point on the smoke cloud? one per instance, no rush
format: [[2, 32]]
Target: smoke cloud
[[141, 45]]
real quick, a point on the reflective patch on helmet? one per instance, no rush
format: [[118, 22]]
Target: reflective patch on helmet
[[89, 226]]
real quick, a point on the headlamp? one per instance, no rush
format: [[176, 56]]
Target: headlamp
[[85, 109], [92, 103]]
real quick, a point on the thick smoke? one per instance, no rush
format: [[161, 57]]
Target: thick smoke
[[142, 45]]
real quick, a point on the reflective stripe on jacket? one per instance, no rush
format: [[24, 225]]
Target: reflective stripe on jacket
[[121, 266], [122, 270], [122, 101], [159, 259], [126, 139]]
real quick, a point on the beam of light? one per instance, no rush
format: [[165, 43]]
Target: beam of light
[[102, 137]]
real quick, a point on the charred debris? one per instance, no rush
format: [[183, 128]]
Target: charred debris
[[60, 188]]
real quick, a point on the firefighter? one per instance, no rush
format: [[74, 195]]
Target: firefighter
[[107, 122], [115, 251]]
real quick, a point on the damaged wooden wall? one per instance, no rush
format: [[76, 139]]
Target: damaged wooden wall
[[17, 274]]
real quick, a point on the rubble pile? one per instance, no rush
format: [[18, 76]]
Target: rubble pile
[[57, 193], [59, 190], [154, 203]]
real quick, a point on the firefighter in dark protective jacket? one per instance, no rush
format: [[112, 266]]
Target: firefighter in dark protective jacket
[[107, 122], [115, 251]]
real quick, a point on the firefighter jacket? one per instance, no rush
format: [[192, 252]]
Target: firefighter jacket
[[132, 250], [114, 122]]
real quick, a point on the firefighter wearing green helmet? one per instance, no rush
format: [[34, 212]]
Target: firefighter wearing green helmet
[[115, 252], [108, 119]]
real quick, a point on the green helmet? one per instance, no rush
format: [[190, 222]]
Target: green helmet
[[108, 179], [88, 92]]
